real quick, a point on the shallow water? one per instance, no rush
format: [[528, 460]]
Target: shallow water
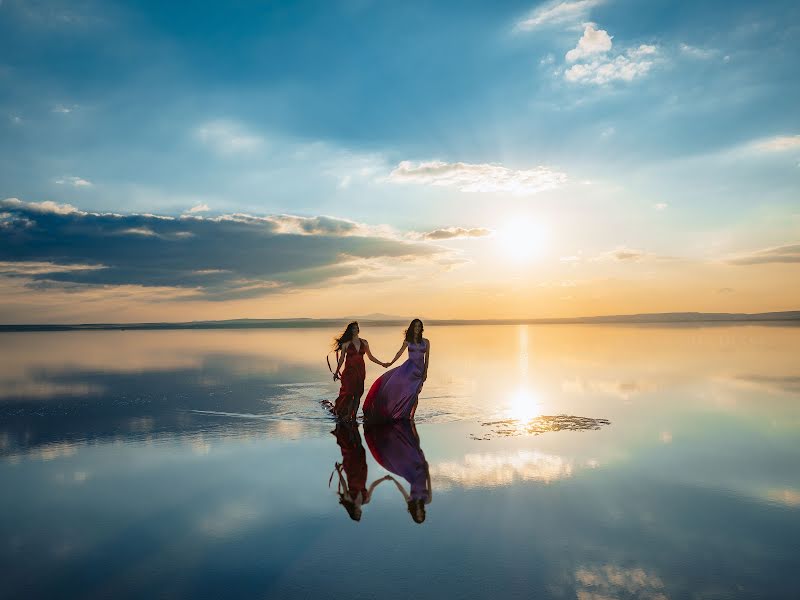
[[197, 464]]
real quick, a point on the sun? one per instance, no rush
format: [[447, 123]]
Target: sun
[[522, 240], [523, 405]]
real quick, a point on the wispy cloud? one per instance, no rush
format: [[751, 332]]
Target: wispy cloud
[[780, 254], [698, 53], [216, 258], [74, 181], [660, 205], [478, 177], [779, 143], [449, 233], [198, 208], [228, 137], [623, 254], [557, 13]]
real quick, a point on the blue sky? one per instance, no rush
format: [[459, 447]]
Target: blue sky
[[670, 128]]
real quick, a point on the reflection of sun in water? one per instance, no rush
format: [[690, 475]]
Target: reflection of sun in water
[[523, 406], [522, 240]]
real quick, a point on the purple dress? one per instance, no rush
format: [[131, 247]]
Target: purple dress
[[395, 446], [394, 394]]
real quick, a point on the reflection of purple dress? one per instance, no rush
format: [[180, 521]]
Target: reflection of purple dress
[[394, 394], [395, 446]]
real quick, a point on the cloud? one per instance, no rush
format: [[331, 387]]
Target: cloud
[[557, 13], [593, 41], [198, 208], [780, 254], [660, 205], [478, 177], [227, 137], [779, 143], [74, 181], [450, 233], [635, 62], [493, 470], [623, 254], [698, 53], [219, 258], [64, 109]]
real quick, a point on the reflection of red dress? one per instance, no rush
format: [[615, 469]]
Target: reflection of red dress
[[352, 389], [354, 459]]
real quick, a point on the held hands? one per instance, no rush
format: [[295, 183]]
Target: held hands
[[336, 376]]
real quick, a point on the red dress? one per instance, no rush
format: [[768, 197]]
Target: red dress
[[352, 389]]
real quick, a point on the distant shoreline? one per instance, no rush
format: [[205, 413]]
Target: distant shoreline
[[684, 319]]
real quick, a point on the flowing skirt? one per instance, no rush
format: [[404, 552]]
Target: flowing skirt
[[394, 394], [395, 446]]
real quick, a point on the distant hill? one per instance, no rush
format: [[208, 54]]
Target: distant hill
[[379, 319]]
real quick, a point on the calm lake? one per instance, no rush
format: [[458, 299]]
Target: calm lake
[[192, 464]]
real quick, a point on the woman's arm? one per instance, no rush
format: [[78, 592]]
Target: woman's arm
[[427, 360], [430, 488], [342, 354], [373, 486], [369, 354], [399, 353], [401, 488]]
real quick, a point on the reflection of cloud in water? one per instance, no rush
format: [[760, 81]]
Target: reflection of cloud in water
[[618, 389], [773, 384], [53, 451], [610, 581], [787, 497], [230, 518], [539, 425], [31, 389], [492, 470]]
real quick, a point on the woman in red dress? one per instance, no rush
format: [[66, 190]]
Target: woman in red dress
[[351, 349]]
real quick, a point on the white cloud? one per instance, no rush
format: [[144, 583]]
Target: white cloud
[[227, 137], [198, 208], [478, 177], [593, 41], [74, 181], [636, 62], [557, 13], [779, 143], [660, 205], [63, 109], [41, 207]]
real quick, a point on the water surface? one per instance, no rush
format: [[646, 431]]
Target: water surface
[[197, 463]]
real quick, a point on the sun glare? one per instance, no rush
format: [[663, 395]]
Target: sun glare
[[522, 240], [523, 405]]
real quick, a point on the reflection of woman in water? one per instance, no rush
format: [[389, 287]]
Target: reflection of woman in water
[[395, 394], [395, 446], [351, 349], [352, 486]]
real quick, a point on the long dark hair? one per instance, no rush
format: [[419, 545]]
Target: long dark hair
[[410, 331], [416, 507], [346, 336]]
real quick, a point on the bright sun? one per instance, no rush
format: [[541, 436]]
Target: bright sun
[[522, 240], [523, 405]]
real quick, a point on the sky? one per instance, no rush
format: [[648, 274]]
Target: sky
[[255, 159]]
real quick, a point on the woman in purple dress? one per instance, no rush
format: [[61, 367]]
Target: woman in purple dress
[[394, 394]]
